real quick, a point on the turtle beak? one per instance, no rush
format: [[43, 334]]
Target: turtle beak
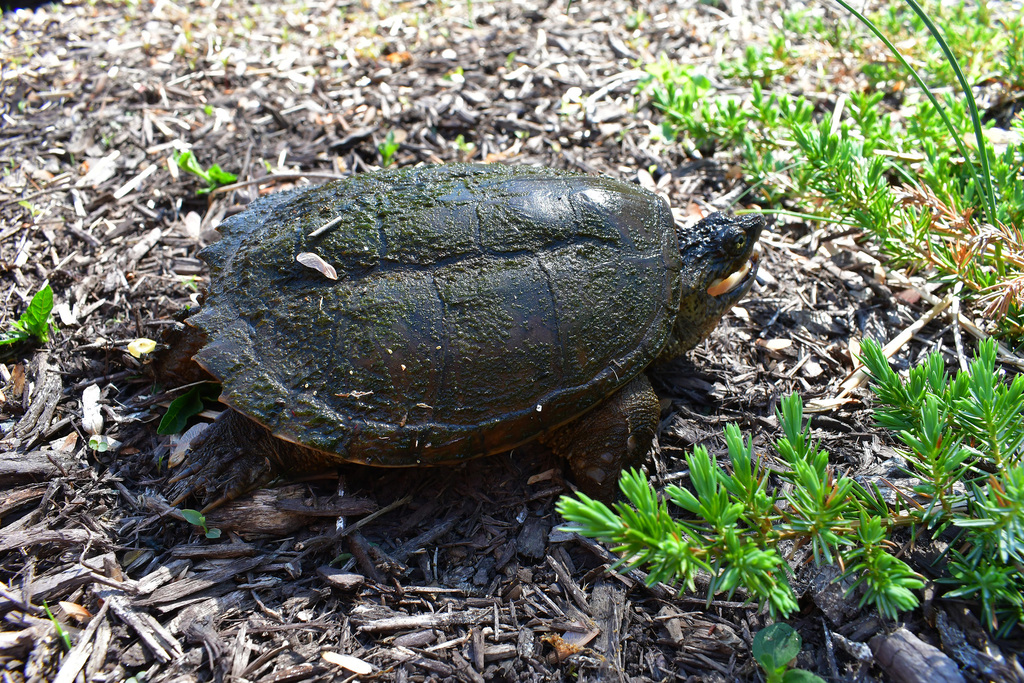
[[739, 277]]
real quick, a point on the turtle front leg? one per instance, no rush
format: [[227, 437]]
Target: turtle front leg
[[616, 434], [233, 456]]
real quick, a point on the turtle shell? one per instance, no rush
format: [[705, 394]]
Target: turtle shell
[[476, 307]]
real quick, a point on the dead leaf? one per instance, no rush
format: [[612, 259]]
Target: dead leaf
[[311, 260], [180, 445], [563, 650], [75, 611]]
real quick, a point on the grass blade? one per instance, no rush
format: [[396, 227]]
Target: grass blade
[[990, 195], [971, 105]]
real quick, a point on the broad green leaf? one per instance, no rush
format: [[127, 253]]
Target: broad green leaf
[[35, 321], [801, 676], [776, 646], [186, 406], [194, 517]]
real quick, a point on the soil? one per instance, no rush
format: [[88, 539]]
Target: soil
[[455, 573]]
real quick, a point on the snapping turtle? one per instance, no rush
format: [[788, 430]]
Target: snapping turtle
[[448, 312]]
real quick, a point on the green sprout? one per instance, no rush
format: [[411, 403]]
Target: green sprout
[[215, 177], [65, 639], [196, 518], [774, 649], [466, 148], [387, 149], [34, 323]]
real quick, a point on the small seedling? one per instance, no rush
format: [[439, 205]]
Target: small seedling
[[215, 177], [101, 443], [634, 20], [30, 207], [456, 75], [34, 323], [467, 148], [196, 518], [387, 149], [775, 647]]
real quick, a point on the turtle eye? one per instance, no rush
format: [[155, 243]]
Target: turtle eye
[[736, 242]]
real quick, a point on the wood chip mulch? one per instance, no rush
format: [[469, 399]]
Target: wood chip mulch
[[442, 574]]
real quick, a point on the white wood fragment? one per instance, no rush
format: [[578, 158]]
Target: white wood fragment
[[92, 418], [348, 662], [142, 247], [134, 183], [100, 171]]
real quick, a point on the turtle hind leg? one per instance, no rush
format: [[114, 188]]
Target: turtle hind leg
[[232, 457], [616, 434]]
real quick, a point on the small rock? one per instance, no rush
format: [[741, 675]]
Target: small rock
[[340, 579]]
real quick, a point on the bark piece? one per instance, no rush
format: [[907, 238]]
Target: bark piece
[[37, 536], [608, 603], [34, 466], [164, 646], [208, 552], [73, 662], [443, 621], [180, 589], [908, 659], [45, 394], [531, 540], [263, 513]]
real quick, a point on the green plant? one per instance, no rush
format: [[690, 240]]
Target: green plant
[[196, 518], [65, 639], [34, 323], [466, 148], [30, 207], [906, 176], [735, 522], [774, 649], [456, 75], [964, 439], [758, 64], [635, 19], [964, 442], [215, 177], [388, 148], [187, 406]]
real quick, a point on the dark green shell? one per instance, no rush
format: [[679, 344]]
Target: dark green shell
[[475, 307]]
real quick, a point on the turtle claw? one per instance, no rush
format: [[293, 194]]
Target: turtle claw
[[217, 503], [233, 458]]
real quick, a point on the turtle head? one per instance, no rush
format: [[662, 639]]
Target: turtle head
[[719, 264]]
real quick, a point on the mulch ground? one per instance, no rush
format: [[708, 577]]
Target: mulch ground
[[454, 573]]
